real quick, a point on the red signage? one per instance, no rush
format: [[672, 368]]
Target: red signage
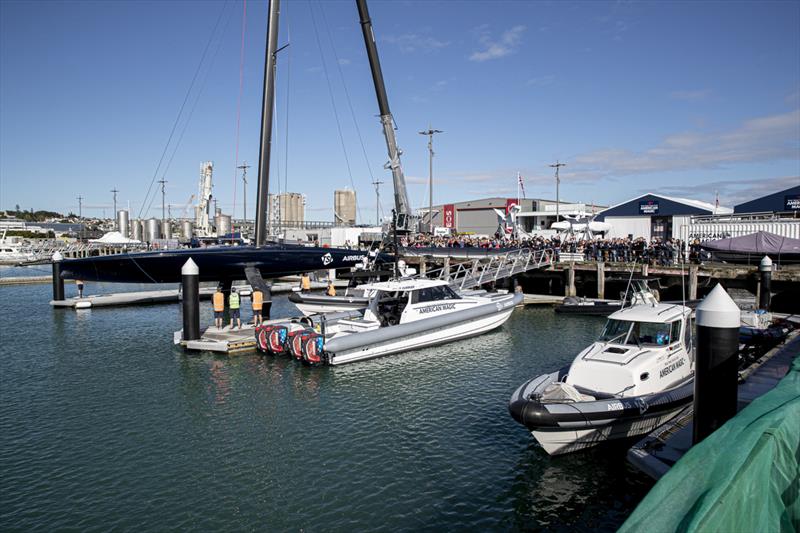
[[449, 216], [509, 203]]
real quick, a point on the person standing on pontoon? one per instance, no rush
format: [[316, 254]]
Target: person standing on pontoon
[[218, 300], [233, 305], [257, 300]]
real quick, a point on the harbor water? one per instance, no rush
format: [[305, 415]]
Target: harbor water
[[105, 425]]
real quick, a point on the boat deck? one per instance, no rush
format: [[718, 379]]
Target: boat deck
[[657, 452]]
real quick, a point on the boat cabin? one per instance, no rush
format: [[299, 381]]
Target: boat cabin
[[396, 302], [642, 349]]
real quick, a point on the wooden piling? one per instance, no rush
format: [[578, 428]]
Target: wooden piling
[[692, 282], [570, 289], [601, 280]]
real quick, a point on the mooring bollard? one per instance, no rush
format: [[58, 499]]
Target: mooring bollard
[[190, 286], [765, 269], [716, 364], [58, 283]]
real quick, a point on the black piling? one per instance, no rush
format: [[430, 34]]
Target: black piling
[[765, 269], [190, 286], [716, 366], [58, 282]]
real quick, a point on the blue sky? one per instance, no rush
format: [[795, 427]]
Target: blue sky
[[683, 98]]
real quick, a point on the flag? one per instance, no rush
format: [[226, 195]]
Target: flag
[[521, 185]]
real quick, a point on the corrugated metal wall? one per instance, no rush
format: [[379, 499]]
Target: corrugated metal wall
[[480, 222], [709, 231]]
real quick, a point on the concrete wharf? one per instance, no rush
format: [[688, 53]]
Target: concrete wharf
[[657, 452]]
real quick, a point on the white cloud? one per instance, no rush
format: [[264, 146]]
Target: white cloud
[[414, 42], [541, 81], [767, 138], [344, 61], [690, 96], [508, 43], [730, 192]]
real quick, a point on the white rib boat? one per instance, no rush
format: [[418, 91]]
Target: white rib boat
[[635, 377], [401, 315]]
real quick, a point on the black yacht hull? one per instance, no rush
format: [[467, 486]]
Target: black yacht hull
[[221, 263]]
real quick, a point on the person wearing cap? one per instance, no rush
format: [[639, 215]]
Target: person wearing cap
[[233, 304]]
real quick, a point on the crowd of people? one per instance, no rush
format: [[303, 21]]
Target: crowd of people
[[656, 251]]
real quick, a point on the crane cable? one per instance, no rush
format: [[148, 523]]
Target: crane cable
[[183, 105], [238, 112], [333, 104]]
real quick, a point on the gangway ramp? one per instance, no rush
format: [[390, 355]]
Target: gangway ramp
[[485, 268]]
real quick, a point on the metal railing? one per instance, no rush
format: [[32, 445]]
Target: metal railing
[[476, 272]]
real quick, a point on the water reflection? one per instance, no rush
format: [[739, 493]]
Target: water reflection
[[583, 488]]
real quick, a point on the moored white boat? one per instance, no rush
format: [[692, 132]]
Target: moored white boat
[[401, 315], [635, 377]]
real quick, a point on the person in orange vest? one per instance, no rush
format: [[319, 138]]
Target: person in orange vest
[[331, 289], [305, 282], [219, 307], [257, 300]]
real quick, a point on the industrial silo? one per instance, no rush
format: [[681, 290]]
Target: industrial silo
[[187, 230], [167, 229], [223, 224], [122, 222], [136, 233], [344, 207], [153, 231]]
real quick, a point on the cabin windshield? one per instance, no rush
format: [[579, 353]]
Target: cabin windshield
[[640, 333], [430, 294]]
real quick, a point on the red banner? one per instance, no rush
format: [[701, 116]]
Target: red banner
[[449, 211], [509, 203]]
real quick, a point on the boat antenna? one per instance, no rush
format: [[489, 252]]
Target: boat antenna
[[625, 298], [266, 123], [405, 222]]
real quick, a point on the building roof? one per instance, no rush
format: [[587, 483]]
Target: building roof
[[695, 207], [774, 202]]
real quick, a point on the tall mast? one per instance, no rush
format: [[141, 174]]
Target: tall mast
[[262, 191], [405, 223]]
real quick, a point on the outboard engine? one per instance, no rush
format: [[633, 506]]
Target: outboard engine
[[295, 343], [263, 333], [276, 336], [312, 344]]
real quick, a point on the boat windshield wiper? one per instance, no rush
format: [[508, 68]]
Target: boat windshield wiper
[[615, 338]]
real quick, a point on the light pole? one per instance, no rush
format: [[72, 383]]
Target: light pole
[[243, 167], [557, 165], [163, 182], [115, 191], [430, 132], [377, 185], [80, 207]]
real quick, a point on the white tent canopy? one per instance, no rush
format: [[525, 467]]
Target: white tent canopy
[[114, 237]]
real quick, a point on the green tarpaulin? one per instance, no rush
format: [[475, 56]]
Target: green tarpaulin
[[743, 477]]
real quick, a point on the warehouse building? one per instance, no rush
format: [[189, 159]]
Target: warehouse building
[[477, 217], [655, 216]]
